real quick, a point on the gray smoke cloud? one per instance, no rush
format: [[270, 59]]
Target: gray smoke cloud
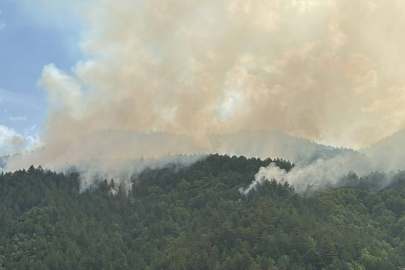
[[329, 71]]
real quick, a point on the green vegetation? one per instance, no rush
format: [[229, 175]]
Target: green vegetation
[[195, 218]]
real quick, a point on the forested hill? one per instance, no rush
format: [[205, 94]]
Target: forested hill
[[195, 218]]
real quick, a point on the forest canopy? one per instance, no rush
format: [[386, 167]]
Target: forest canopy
[[195, 217]]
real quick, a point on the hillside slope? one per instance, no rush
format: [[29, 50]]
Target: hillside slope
[[195, 218], [388, 154]]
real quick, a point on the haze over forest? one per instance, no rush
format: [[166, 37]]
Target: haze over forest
[[155, 78]]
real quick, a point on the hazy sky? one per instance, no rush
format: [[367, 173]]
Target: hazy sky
[[330, 71], [27, 44]]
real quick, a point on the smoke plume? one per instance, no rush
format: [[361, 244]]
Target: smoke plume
[[318, 174], [329, 71]]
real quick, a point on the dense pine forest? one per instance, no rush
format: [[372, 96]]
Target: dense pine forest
[[195, 218]]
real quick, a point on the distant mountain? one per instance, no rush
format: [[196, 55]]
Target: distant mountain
[[388, 153], [251, 143], [134, 144], [274, 144], [125, 144]]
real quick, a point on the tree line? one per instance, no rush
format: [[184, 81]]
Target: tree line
[[195, 218]]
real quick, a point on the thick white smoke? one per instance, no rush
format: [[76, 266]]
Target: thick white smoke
[[330, 71], [271, 172], [318, 172], [315, 69]]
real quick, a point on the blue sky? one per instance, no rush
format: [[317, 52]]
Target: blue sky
[[27, 44]]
